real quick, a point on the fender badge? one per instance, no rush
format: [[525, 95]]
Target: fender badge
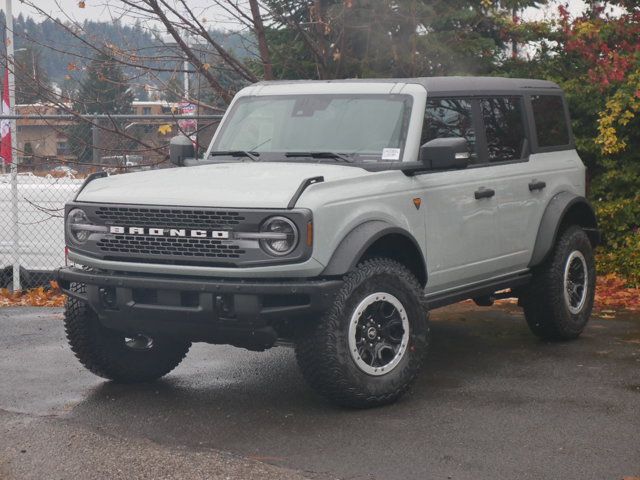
[[417, 202]]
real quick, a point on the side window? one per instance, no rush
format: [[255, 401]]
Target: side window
[[551, 123], [449, 117], [504, 128]]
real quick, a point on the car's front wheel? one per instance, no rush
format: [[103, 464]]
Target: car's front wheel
[[367, 350], [558, 303], [114, 355]]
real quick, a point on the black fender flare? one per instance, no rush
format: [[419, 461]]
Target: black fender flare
[[555, 213], [357, 241]]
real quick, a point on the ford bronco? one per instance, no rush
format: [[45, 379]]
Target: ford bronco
[[332, 216]]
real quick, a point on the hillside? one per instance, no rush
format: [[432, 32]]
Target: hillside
[[58, 47]]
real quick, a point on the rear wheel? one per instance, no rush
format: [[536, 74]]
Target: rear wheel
[[558, 303], [124, 358], [369, 348]]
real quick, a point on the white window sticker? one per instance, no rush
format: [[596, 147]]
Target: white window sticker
[[390, 154]]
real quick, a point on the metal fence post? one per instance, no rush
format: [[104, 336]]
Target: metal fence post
[[15, 226], [95, 154]]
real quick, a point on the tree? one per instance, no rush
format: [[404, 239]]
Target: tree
[[606, 43], [174, 90], [32, 81], [393, 38], [104, 89]]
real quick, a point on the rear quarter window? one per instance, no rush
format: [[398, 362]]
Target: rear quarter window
[[551, 121]]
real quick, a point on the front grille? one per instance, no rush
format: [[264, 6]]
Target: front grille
[[169, 217], [204, 248], [153, 242]]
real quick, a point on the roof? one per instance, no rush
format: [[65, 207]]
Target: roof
[[450, 85]]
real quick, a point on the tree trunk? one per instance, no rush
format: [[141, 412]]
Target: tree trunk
[[263, 47]]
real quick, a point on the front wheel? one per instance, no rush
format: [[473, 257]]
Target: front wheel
[[558, 303], [367, 350], [114, 355]]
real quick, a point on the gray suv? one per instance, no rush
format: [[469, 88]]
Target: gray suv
[[332, 216]]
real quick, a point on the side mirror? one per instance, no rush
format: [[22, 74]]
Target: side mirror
[[181, 148], [445, 153]]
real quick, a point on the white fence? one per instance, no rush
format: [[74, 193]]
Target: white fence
[[40, 248]]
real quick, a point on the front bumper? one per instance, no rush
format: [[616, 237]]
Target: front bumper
[[239, 312]]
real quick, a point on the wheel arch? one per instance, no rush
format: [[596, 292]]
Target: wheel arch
[[377, 238], [564, 209]]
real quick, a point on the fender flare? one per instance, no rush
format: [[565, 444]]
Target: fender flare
[[357, 241], [556, 211]]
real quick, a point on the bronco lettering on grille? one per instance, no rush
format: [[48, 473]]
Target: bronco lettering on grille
[[169, 232]]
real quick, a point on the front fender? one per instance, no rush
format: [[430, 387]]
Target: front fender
[[356, 243]]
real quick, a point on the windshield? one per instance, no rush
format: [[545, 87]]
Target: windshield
[[362, 127]]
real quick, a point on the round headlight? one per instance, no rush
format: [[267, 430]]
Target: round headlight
[[280, 236], [76, 220]]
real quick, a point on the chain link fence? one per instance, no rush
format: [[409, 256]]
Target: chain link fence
[[54, 154]]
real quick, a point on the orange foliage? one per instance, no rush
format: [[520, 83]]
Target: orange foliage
[[36, 297], [613, 294]]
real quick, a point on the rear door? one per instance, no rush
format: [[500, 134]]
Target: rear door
[[507, 149], [524, 181]]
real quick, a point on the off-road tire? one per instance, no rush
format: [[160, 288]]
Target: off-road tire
[[545, 308], [322, 347], [103, 351]]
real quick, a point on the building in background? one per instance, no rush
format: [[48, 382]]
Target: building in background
[[43, 144]]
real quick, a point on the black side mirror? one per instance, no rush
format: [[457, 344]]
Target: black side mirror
[[445, 153], [181, 148]]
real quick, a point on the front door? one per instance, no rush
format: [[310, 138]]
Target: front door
[[460, 206]]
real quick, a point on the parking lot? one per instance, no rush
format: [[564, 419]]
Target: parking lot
[[493, 403]]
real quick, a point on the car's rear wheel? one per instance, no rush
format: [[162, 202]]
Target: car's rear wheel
[[558, 303], [124, 358], [367, 350]]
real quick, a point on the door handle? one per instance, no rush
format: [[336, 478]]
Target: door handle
[[536, 185], [484, 193]]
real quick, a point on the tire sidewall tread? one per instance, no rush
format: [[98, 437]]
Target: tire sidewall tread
[[102, 351], [544, 305], [322, 348]]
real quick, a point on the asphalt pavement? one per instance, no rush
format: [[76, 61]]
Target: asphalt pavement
[[493, 403]]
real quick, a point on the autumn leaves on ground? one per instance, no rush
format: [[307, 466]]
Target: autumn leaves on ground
[[612, 295]]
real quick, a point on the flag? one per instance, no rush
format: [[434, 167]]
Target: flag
[[5, 125]]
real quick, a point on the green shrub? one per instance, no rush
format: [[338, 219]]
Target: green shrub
[[619, 222]]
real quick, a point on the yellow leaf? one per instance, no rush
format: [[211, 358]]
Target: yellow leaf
[[165, 129]]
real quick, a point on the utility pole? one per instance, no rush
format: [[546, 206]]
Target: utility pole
[[185, 67], [14, 157]]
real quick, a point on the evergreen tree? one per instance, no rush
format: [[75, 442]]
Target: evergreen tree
[[32, 81], [389, 38], [103, 90]]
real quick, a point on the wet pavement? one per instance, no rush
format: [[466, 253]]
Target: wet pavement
[[494, 402]]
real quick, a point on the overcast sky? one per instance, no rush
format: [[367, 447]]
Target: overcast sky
[[108, 10]]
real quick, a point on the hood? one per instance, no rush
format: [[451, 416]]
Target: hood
[[229, 185]]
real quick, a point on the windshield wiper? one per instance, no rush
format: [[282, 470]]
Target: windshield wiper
[[237, 153], [334, 155]]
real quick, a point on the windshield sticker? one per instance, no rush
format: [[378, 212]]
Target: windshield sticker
[[390, 154]]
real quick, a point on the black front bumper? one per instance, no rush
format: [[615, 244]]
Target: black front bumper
[[239, 312]]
